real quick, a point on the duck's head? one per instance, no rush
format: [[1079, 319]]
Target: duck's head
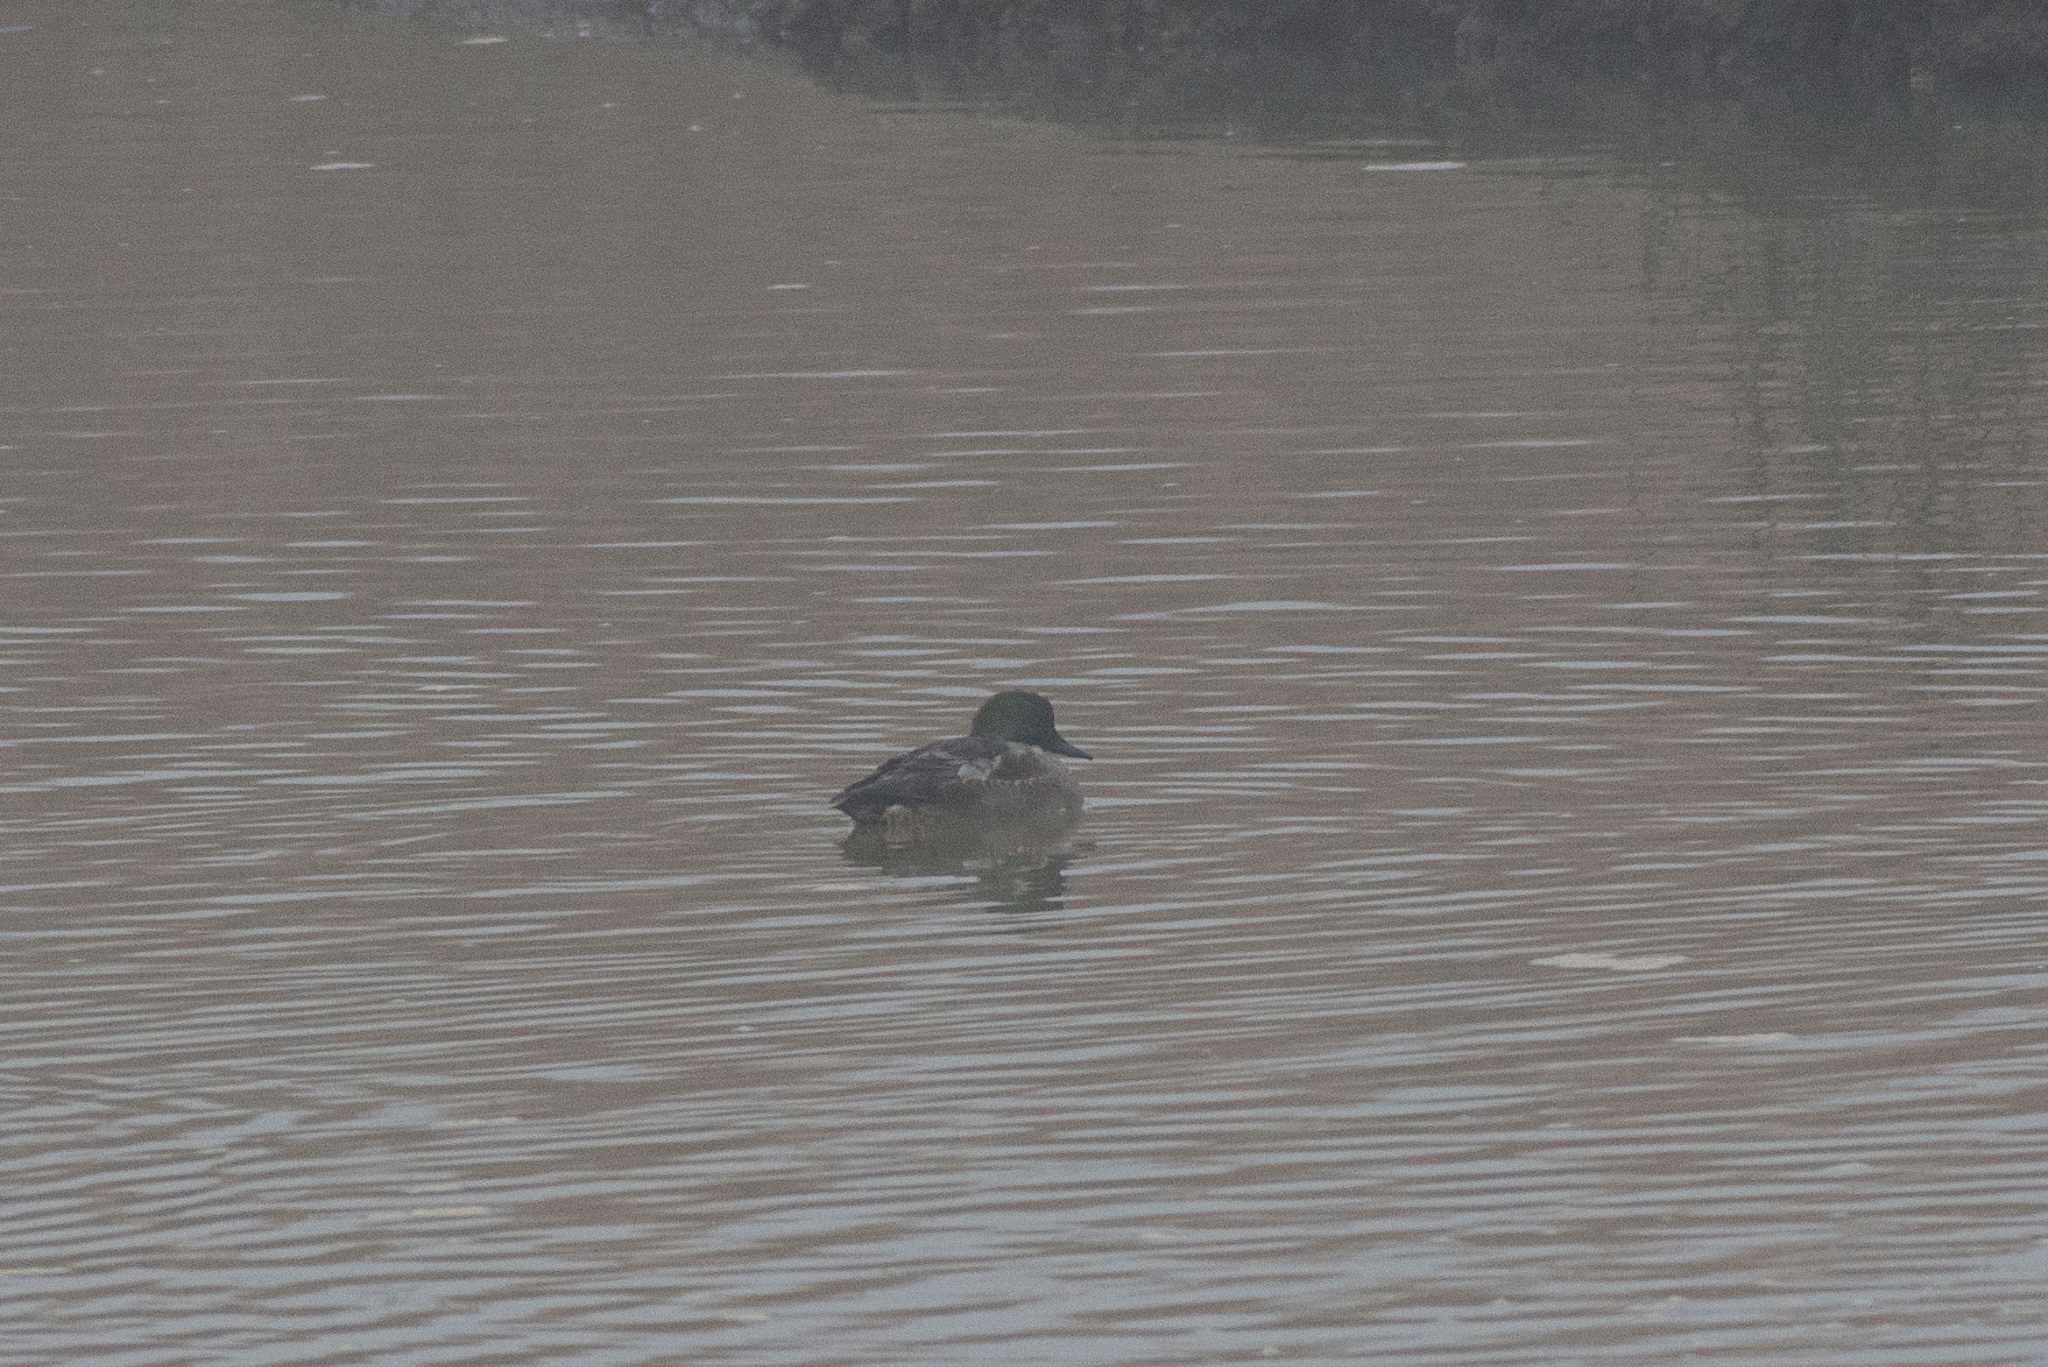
[[1026, 718]]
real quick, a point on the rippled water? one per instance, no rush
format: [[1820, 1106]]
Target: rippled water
[[1566, 867]]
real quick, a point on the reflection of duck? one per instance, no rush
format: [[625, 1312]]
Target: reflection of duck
[[1017, 871], [1002, 773]]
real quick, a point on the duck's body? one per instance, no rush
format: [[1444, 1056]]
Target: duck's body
[[1003, 772]]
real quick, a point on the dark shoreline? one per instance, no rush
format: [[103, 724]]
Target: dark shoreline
[[1859, 52], [1855, 53], [1904, 101]]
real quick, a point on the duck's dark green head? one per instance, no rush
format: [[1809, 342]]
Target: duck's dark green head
[[1026, 718]]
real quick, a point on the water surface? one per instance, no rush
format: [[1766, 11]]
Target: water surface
[[1562, 640]]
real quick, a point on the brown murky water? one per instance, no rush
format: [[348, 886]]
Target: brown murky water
[[1568, 860]]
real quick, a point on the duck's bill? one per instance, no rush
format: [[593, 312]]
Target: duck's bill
[[1062, 746]]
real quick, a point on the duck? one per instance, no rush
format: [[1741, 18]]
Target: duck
[[1002, 772]]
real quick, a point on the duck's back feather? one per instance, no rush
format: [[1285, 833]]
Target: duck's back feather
[[923, 777], [967, 776]]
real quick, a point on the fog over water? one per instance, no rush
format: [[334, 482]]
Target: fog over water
[[1561, 638]]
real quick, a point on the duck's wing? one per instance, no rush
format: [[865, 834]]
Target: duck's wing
[[921, 777]]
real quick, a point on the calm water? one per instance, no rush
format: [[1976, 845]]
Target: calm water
[[1568, 859]]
